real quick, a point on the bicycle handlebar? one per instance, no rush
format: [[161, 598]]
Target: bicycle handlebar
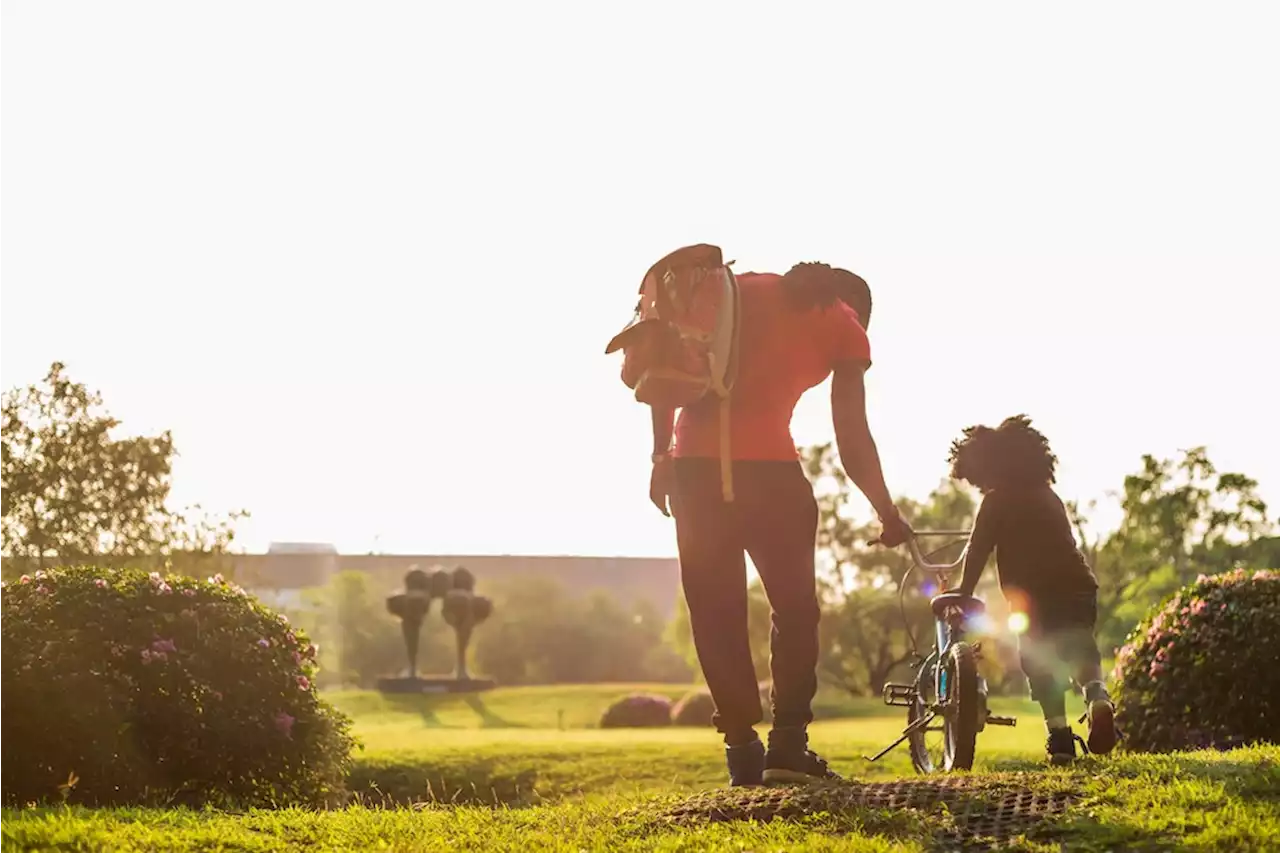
[[921, 560]]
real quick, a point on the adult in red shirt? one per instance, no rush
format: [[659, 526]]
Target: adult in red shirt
[[796, 330]]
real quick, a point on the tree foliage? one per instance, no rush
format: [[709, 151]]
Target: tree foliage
[[74, 492], [1181, 518], [541, 634]]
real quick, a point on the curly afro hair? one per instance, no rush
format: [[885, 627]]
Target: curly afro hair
[[814, 285], [1013, 454]]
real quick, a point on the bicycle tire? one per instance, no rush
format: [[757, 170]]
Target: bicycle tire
[[960, 726]]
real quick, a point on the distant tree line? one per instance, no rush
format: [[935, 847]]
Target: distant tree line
[[76, 492]]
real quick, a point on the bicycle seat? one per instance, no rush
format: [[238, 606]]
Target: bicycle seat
[[967, 604]]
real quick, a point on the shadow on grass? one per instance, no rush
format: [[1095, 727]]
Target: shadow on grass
[[391, 783], [426, 706]]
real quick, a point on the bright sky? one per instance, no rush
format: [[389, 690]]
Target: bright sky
[[363, 258]]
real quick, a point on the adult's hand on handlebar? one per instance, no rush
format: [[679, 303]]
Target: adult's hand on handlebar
[[896, 530]]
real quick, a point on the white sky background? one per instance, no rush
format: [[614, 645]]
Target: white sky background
[[363, 259]]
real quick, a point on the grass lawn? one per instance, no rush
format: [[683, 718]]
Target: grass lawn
[[497, 772]]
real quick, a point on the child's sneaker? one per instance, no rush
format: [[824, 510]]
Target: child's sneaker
[[1101, 715], [1061, 746], [746, 764]]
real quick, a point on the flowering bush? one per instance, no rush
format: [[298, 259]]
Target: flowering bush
[[122, 687], [639, 710], [1201, 670], [694, 709]]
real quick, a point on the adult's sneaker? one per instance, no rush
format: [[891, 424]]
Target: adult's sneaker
[[746, 764], [790, 761]]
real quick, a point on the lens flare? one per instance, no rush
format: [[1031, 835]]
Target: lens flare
[[1018, 623]]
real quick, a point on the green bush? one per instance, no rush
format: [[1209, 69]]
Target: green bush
[[694, 709], [639, 710], [1200, 671], [121, 687]]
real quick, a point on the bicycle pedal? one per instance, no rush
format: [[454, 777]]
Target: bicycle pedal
[[996, 720], [899, 695]]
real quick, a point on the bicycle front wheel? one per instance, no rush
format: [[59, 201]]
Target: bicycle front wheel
[[950, 739], [960, 716]]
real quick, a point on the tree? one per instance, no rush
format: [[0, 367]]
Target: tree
[[1182, 518], [541, 634], [75, 493]]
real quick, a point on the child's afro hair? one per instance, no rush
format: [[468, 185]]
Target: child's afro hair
[[1014, 453]]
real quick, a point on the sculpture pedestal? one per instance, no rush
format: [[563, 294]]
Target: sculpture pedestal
[[434, 685]]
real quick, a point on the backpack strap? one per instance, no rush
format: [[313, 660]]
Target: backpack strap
[[730, 378], [726, 455]]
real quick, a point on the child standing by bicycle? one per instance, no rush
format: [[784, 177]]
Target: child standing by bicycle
[[1042, 573]]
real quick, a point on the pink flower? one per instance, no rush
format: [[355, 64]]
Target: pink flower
[[100, 583], [216, 579], [297, 658], [1201, 578], [1199, 607], [41, 575], [264, 643], [283, 618], [189, 592], [154, 577], [25, 579], [284, 724], [162, 646], [1156, 669], [1222, 607], [163, 588], [313, 650], [291, 639], [42, 589], [304, 683]]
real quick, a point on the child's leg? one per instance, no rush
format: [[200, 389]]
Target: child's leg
[[1044, 667], [1080, 650]]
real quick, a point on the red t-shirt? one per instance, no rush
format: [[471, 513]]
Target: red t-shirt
[[782, 353]]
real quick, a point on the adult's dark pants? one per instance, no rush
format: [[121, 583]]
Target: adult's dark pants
[[774, 518]]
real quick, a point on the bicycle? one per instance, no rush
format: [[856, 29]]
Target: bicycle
[[945, 684]]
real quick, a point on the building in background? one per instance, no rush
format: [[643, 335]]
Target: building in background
[[280, 576]]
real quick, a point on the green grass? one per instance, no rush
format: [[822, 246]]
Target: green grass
[[495, 772]]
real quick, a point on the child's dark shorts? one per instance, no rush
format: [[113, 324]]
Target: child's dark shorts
[[1058, 645]]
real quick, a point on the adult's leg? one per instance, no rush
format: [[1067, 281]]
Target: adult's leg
[[713, 573], [780, 522]]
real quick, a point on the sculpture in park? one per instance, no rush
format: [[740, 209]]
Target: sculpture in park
[[462, 610]]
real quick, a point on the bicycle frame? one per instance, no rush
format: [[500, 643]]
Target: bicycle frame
[[928, 689]]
